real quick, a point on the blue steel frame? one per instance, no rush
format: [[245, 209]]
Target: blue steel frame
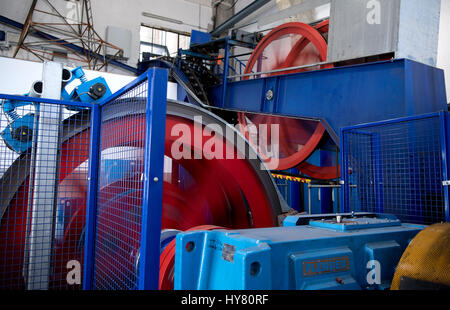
[[91, 214], [368, 92], [445, 140], [93, 160], [68, 45], [445, 155], [225, 67], [44, 100], [153, 180]]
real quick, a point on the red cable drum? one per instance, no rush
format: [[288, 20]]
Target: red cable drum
[[234, 193]]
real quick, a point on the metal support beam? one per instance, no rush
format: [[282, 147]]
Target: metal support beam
[[153, 179], [24, 32], [369, 92], [291, 11]]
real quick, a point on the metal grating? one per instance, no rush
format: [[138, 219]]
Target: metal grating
[[120, 195], [396, 167], [43, 191]]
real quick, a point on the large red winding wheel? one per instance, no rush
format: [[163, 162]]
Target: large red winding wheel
[[291, 45], [233, 193]]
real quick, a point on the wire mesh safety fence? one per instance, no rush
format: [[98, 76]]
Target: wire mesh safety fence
[[396, 168], [44, 150], [120, 195]]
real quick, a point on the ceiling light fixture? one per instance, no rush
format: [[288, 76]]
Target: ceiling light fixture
[[166, 19]]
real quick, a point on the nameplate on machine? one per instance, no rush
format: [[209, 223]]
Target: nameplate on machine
[[326, 265]]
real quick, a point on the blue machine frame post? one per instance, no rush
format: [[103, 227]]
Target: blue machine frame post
[[369, 92], [146, 270], [91, 206], [346, 197], [153, 179], [378, 172]]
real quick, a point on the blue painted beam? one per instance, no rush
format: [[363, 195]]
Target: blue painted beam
[[249, 9]]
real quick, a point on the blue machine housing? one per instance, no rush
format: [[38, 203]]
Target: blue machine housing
[[18, 135], [360, 252], [339, 97]]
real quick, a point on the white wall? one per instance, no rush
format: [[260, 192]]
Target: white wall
[[17, 77], [195, 14]]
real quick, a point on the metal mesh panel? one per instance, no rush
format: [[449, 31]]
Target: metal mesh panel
[[396, 168], [44, 151], [117, 243]]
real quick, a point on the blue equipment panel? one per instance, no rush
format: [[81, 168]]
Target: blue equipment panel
[[309, 257], [88, 91]]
